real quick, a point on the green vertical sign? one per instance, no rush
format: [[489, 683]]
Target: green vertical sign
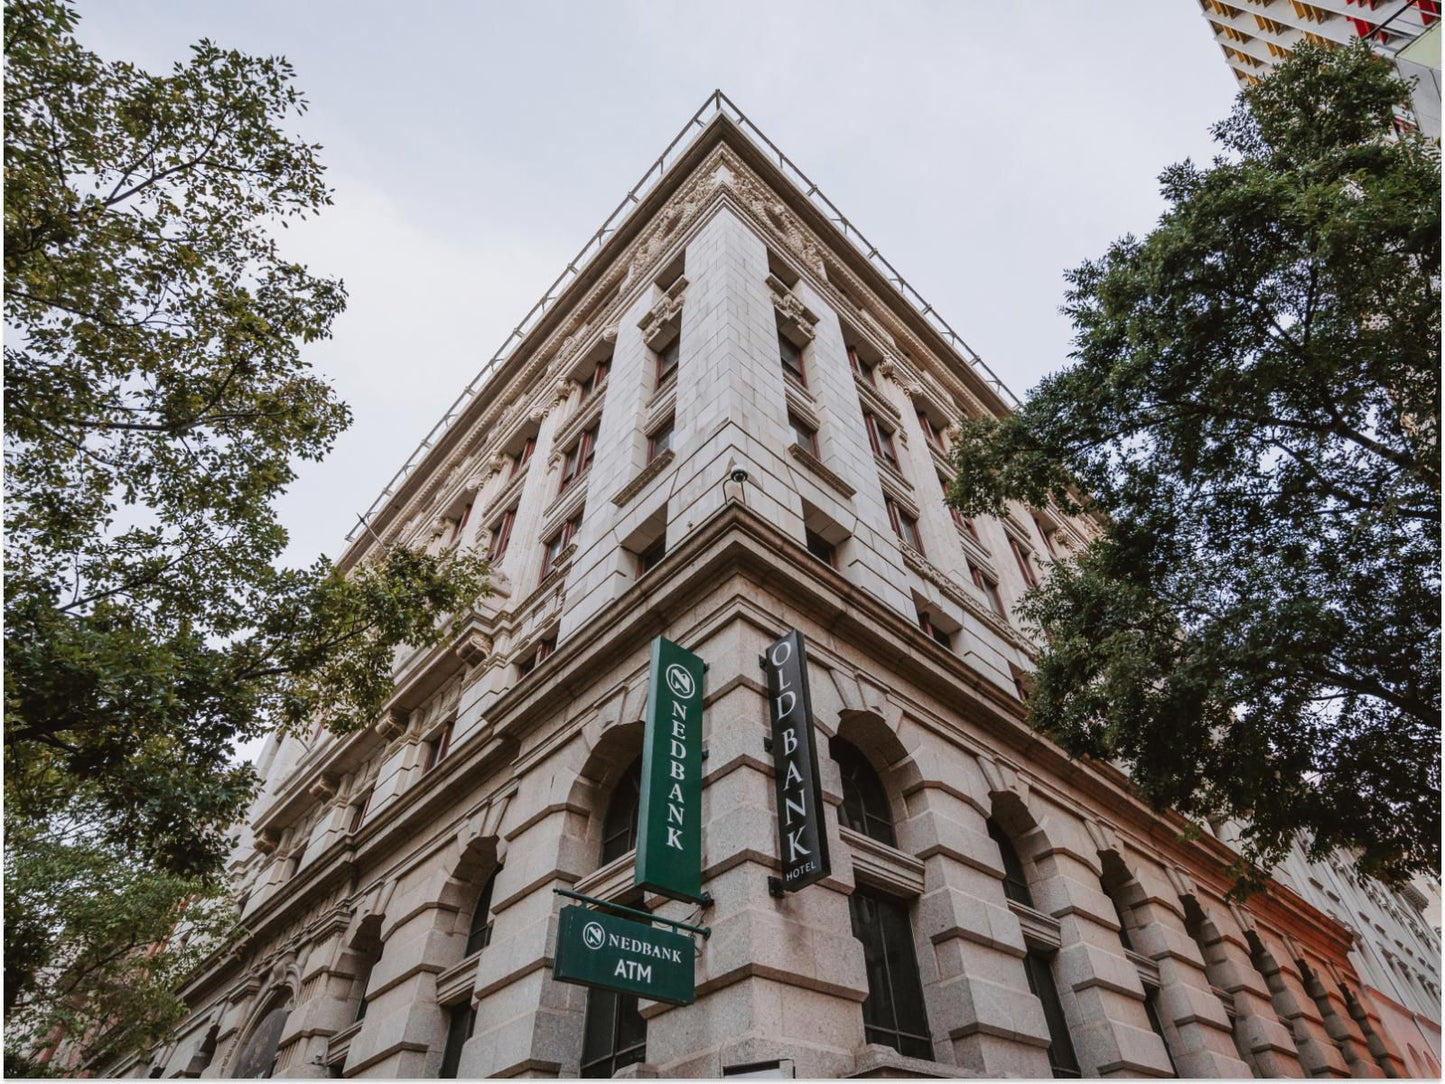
[[598, 949], [669, 818]]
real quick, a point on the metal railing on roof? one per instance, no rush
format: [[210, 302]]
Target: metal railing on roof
[[716, 103]]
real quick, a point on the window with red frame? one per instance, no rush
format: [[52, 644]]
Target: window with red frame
[[460, 523], [438, 747], [1021, 555], [524, 457], [537, 655], [792, 358], [358, 810], [667, 361], [930, 433], [559, 542], [660, 440], [502, 535], [939, 636], [820, 547], [1047, 533], [880, 438], [579, 458], [859, 366], [988, 587], [804, 435], [904, 525], [597, 381]]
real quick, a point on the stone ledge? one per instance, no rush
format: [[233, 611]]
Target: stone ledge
[[814, 464], [876, 1060], [645, 475]]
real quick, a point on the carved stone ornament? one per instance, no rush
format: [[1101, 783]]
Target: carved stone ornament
[[474, 647], [609, 333], [392, 723], [323, 787], [655, 324], [267, 841], [496, 464], [563, 391], [797, 319]]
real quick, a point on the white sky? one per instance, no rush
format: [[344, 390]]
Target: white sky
[[984, 147]]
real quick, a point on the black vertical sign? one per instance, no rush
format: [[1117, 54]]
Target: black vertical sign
[[802, 838]]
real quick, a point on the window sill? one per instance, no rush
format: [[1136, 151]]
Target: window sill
[[882, 866], [455, 983], [814, 464], [874, 398], [901, 484], [877, 1060], [792, 383], [625, 495], [586, 412], [1039, 930], [340, 1043]]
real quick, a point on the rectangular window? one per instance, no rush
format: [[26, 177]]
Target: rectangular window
[[652, 556], [524, 457], [614, 1034], [438, 747], [904, 525], [537, 655], [1021, 555], [596, 381], [461, 1021], [559, 542], [988, 587], [792, 358], [460, 523], [804, 435], [1041, 983], [930, 434], [893, 1012], [821, 548], [938, 635], [859, 366], [579, 458], [1047, 534], [660, 440], [667, 361], [880, 438], [502, 536], [358, 811], [965, 524]]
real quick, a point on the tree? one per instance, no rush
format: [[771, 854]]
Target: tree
[[156, 399], [1253, 412]]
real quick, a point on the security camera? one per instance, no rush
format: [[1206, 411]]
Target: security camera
[[739, 475]]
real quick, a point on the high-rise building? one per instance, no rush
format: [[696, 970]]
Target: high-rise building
[[730, 419], [1255, 35]]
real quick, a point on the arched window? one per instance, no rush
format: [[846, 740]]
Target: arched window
[[1015, 882], [365, 980], [619, 827], [865, 803], [893, 1012], [615, 1034], [479, 936], [258, 1056]]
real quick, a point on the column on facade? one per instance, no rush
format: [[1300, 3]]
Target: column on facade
[[1318, 1052], [1335, 1014], [1264, 1039], [1367, 1019], [996, 1025], [1099, 987], [527, 1024], [423, 935], [1188, 1008], [781, 977]]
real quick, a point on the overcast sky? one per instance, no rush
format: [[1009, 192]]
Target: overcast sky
[[984, 147]]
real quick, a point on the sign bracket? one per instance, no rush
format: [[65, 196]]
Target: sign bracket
[[645, 916]]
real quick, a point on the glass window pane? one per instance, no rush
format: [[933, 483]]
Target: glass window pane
[[460, 1021], [1061, 1048]]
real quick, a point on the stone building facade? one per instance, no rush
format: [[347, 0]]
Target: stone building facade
[[994, 908]]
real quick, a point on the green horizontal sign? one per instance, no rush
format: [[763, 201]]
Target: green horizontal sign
[[598, 949]]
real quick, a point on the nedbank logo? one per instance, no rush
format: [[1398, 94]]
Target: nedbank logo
[[593, 935], [679, 681]]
